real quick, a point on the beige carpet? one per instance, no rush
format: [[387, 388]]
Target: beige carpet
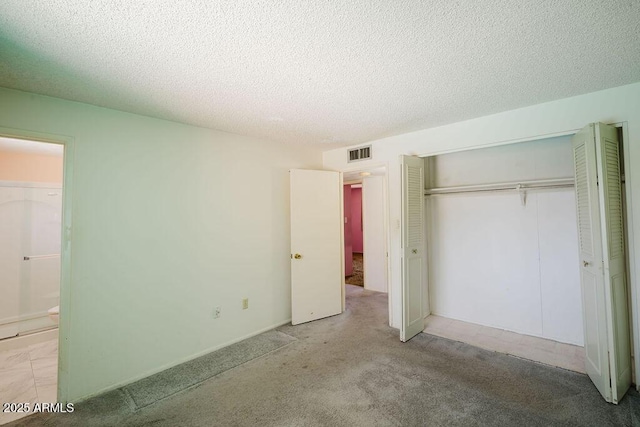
[[352, 370]]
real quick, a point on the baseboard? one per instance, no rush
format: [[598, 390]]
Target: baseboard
[[175, 363]]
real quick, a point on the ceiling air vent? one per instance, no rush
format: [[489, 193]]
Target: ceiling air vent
[[361, 153]]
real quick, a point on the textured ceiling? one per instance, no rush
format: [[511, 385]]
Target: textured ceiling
[[328, 72]]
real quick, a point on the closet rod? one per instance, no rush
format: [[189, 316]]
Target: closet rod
[[504, 186]]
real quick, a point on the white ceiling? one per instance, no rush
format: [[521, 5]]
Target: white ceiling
[[325, 72], [31, 147]]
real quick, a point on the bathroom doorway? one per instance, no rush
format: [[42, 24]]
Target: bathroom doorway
[[31, 208]]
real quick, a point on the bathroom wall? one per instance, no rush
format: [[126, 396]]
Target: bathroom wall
[[27, 167], [169, 222]]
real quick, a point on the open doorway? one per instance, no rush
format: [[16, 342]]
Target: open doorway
[[365, 229], [353, 234], [31, 194]]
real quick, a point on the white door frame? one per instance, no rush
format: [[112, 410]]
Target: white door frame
[[387, 240], [65, 252], [366, 228], [631, 256]]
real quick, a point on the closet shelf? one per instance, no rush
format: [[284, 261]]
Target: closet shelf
[[504, 186]]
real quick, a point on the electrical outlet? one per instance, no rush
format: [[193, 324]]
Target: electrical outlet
[[245, 303], [217, 312]]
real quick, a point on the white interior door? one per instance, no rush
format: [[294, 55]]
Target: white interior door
[[615, 278], [602, 260], [413, 247], [374, 236], [317, 274]]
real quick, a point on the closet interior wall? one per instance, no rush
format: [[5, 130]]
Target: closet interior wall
[[501, 257]]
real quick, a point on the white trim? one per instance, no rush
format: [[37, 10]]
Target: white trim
[[65, 262], [631, 256], [365, 235], [387, 229], [362, 168]]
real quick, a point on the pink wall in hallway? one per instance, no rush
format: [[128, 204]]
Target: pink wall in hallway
[[348, 251], [356, 219]]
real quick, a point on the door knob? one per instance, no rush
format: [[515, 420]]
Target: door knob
[[585, 263], [297, 256]]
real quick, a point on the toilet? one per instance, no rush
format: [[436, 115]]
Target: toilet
[[54, 313]]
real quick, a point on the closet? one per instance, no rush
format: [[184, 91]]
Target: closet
[[503, 246], [529, 238]]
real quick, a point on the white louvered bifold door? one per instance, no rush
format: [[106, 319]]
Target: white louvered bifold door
[[600, 235], [590, 247], [413, 253], [614, 258]]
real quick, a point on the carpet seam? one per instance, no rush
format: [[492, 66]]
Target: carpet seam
[[131, 402]]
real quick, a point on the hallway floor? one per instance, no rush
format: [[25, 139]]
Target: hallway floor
[[357, 277], [352, 370]]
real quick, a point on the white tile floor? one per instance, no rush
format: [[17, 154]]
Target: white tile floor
[[28, 374], [541, 350]]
